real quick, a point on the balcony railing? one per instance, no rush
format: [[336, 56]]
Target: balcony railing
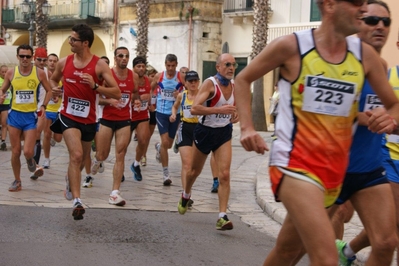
[[237, 5], [278, 30], [64, 9]]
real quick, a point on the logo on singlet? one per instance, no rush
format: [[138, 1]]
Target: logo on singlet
[[330, 84], [349, 73]]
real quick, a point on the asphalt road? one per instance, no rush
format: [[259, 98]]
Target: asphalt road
[[49, 236]]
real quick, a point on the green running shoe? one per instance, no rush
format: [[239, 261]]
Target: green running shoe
[[183, 205], [343, 260], [224, 224]]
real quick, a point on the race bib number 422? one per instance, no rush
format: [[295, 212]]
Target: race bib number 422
[[78, 107], [328, 96]]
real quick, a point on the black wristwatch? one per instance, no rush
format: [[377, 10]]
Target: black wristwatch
[[95, 86], [45, 106]]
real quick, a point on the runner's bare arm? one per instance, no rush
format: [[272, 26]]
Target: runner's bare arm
[[56, 77], [112, 90], [376, 75], [283, 53], [46, 85]]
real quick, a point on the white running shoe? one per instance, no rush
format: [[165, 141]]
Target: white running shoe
[[46, 163], [101, 168], [67, 191], [158, 154], [116, 199], [52, 142], [95, 165], [166, 180], [88, 182]]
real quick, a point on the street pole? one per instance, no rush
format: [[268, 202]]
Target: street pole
[[31, 25]]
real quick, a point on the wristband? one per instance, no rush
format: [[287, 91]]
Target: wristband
[[45, 106]]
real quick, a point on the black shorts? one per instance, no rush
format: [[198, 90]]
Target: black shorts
[[4, 107], [115, 125], [209, 139], [62, 123], [356, 182], [185, 134], [153, 120], [134, 124]]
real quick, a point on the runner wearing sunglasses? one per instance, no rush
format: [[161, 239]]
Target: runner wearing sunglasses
[[25, 81], [318, 106]]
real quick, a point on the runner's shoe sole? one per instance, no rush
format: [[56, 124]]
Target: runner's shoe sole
[[78, 212]]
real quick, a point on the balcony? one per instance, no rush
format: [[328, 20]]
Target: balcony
[[278, 30], [233, 6], [64, 14]]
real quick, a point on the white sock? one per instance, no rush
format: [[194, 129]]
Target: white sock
[[136, 163], [348, 252], [165, 171], [222, 214], [114, 192], [185, 195], [76, 200]]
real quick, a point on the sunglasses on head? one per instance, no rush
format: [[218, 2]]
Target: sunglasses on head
[[354, 2], [228, 64], [374, 20], [41, 59], [24, 56], [123, 55]]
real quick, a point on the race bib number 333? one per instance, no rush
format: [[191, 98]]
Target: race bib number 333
[[328, 96]]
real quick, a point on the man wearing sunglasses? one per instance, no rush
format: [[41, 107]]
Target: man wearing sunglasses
[[366, 185], [82, 74], [115, 122], [25, 81], [214, 106], [322, 72]]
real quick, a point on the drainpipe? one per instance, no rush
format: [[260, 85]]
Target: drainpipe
[[190, 30], [1, 19], [115, 23]]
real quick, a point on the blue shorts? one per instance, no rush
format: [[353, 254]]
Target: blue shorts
[[165, 126], [51, 116], [392, 168], [21, 120], [209, 139], [355, 182]]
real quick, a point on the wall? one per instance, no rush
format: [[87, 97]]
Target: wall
[[390, 52]]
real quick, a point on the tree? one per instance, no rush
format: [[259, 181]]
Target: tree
[[259, 41], [41, 25], [143, 19]]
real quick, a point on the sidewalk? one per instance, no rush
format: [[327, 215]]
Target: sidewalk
[[250, 198]]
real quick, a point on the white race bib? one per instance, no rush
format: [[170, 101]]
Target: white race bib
[[143, 106], [25, 97], [328, 96], [124, 100], [78, 107], [187, 112], [372, 102], [167, 95], [393, 138]]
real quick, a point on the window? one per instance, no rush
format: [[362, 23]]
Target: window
[[314, 11]]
